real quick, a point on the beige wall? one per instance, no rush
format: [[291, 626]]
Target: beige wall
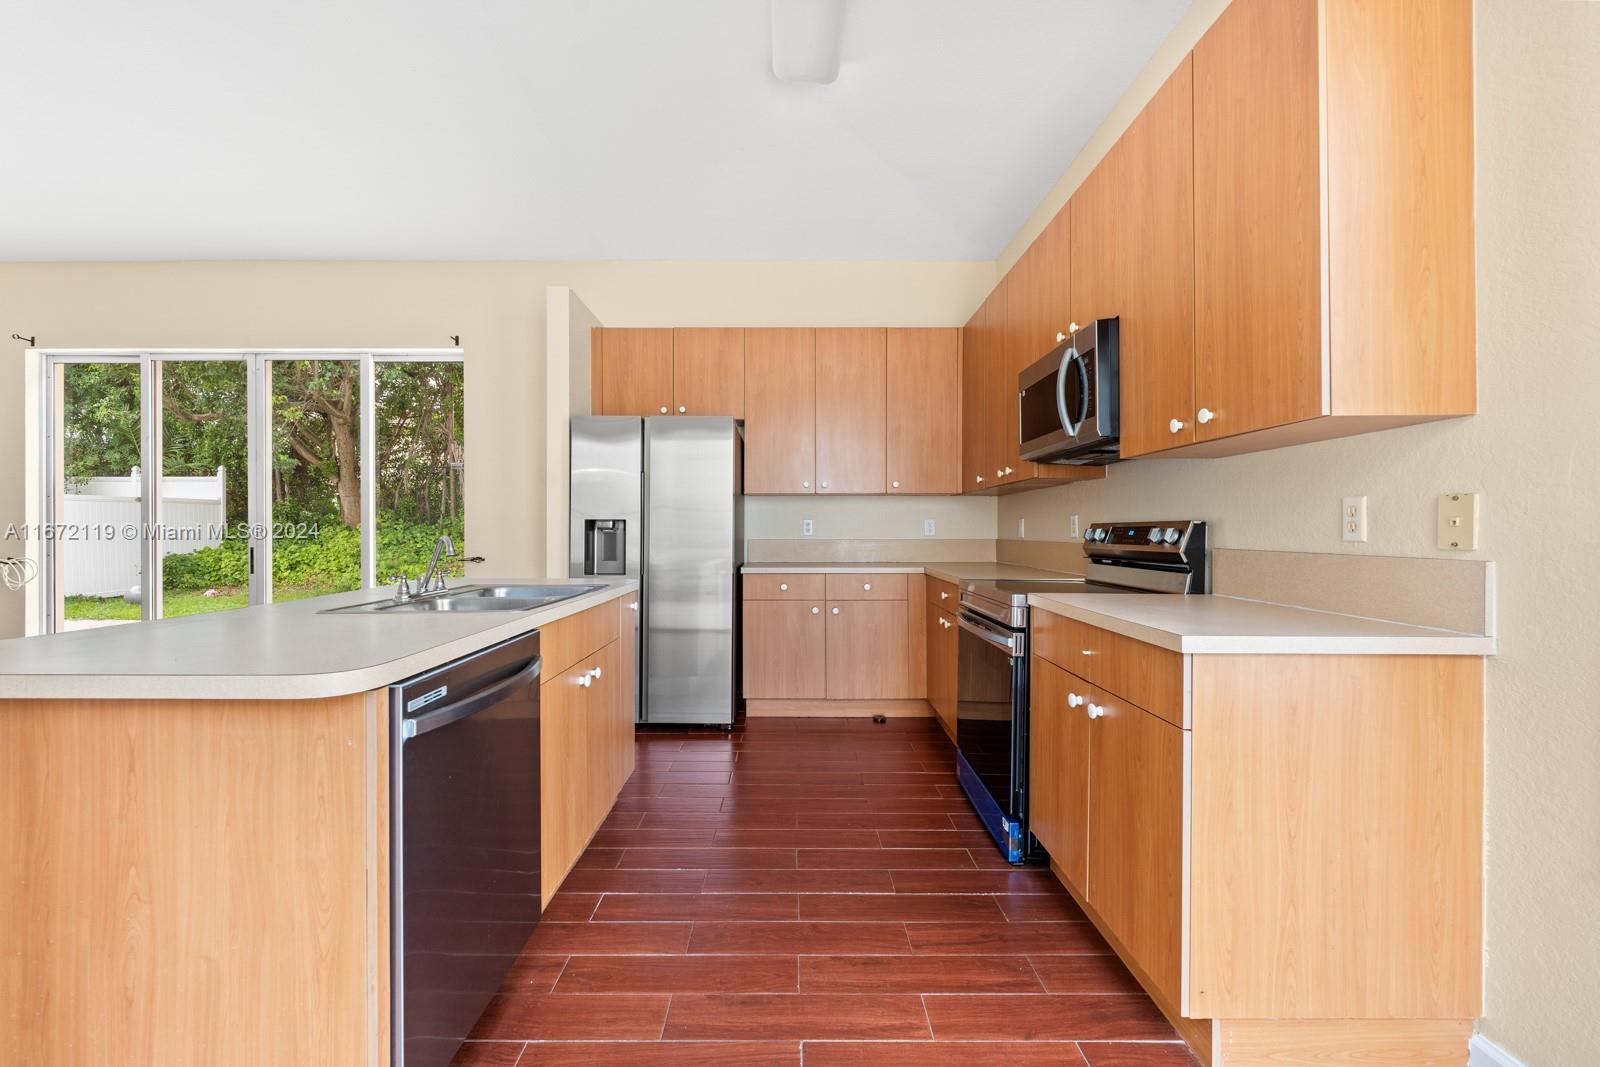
[[872, 518], [1531, 456], [498, 309]]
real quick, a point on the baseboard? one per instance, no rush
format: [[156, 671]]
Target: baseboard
[[1481, 1052], [836, 709]]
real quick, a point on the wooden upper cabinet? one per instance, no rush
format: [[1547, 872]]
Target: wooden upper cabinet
[[924, 411], [635, 371], [1258, 228], [1095, 227], [1154, 264], [708, 371], [976, 410], [851, 410], [780, 432]]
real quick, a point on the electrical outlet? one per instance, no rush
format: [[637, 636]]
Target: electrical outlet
[[1022, 528], [927, 527], [1353, 519], [1073, 530], [806, 528], [1458, 522]]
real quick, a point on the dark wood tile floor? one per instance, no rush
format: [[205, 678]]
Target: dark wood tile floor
[[812, 891]]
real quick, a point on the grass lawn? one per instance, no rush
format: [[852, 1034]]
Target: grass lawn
[[181, 602]]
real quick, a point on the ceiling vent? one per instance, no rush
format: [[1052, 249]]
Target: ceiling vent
[[805, 40]]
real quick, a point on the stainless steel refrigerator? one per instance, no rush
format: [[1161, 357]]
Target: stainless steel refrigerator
[[661, 499]]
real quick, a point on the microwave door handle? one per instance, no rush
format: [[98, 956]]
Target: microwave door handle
[[1070, 356]]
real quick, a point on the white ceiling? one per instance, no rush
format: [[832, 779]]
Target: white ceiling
[[537, 129]]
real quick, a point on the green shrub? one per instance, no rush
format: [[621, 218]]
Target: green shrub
[[332, 557]]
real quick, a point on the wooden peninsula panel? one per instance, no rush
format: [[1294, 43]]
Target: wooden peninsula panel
[[194, 882]]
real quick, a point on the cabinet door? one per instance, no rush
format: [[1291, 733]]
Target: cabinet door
[[1257, 212], [635, 372], [708, 371], [780, 410], [563, 753], [933, 638], [1155, 270], [627, 685], [924, 416], [869, 650], [1058, 769], [977, 413], [785, 650], [940, 637], [852, 410], [1136, 834], [1095, 226]]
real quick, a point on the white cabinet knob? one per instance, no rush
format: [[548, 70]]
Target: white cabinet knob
[[944, 596], [824, 485], [805, 485], [836, 611], [979, 477], [682, 409], [1074, 700], [783, 587], [587, 680], [1087, 652], [999, 474], [1073, 327], [663, 409], [1060, 337], [816, 611], [1205, 415], [597, 672], [867, 586], [1009, 471], [1096, 711], [894, 485], [633, 606], [1175, 425]]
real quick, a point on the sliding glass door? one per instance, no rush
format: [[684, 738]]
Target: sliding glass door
[[184, 483]]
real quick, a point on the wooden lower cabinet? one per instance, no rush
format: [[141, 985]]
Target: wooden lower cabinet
[[1135, 861], [585, 744], [869, 650], [1299, 869], [1058, 805], [940, 638], [785, 650]]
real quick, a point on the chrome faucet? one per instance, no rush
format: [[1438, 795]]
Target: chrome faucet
[[443, 546]]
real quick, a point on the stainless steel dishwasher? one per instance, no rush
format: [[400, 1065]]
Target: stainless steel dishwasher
[[464, 835]]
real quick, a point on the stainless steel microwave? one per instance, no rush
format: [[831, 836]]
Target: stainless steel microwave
[[1067, 401]]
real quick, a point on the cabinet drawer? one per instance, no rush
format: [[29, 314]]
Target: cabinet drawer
[[866, 586], [946, 596], [783, 587], [565, 641], [1143, 674]]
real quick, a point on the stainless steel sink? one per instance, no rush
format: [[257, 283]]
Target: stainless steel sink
[[472, 598]]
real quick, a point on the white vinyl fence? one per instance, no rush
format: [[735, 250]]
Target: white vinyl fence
[[99, 559]]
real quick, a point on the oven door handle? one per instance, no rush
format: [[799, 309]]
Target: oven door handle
[[1003, 639]]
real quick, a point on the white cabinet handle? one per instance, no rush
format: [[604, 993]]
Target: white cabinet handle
[[999, 474], [1086, 652], [1009, 471], [1060, 337], [1175, 425], [945, 623], [682, 409], [824, 485], [663, 409], [783, 587], [805, 485], [1096, 711], [979, 477], [597, 672], [894, 485], [1074, 327], [867, 586], [634, 606], [1205, 415], [1074, 700], [944, 596], [836, 611], [587, 680], [816, 611]]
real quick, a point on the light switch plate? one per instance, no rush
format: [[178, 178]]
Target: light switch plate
[[927, 528], [806, 528], [1458, 522], [1022, 528], [1353, 518]]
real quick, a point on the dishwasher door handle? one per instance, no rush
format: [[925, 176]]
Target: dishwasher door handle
[[417, 725]]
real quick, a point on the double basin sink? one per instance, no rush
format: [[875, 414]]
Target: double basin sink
[[472, 598]]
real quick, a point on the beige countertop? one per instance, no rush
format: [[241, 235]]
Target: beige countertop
[[1222, 625], [269, 652], [950, 572]]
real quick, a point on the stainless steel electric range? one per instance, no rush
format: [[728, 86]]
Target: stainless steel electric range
[[992, 672]]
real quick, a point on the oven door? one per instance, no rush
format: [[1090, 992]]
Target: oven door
[[991, 728]]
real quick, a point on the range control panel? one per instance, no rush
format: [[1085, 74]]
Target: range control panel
[[1139, 534]]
